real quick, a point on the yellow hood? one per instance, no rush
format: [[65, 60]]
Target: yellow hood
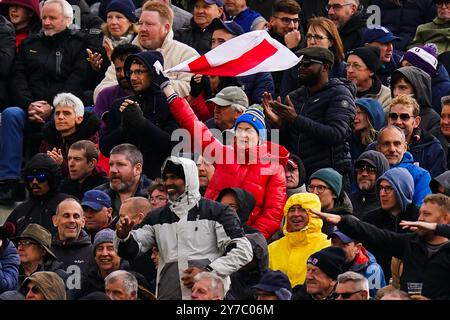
[[290, 253]]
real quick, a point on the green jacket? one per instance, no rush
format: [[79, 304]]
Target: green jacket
[[437, 32]]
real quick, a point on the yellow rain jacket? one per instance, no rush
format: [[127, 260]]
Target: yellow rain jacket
[[290, 253]]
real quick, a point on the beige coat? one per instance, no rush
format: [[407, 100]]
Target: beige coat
[[383, 97], [174, 52]]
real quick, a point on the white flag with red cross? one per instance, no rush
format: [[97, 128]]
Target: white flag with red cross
[[246, 54]]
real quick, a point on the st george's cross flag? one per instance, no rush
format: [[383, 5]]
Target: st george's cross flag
[[246, 54]]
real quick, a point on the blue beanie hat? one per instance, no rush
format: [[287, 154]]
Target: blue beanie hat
[[125, 7], [374, 111], [254, 116], [104, 235], [331, 177]]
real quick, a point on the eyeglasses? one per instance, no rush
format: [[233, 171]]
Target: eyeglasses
[[306, 63], [320, 189], [336, 6], [443, 4], [26, 243], [138, 72], [287, 21], [158, 198], [355, 66], [34, 289], [386, 189], [316, 37], [366, 168], [346, 295], [40, 177], [403, 116]]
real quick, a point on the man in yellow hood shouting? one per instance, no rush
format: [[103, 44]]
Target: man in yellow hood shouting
[[302, 237]]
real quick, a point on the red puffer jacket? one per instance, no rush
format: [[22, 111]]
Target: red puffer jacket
[[258, 170]]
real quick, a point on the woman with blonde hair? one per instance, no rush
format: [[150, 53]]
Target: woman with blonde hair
[[322, 32]]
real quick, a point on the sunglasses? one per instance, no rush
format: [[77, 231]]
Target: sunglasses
[[34, 289], [309, 62], [40, 177], [346, 295], [366, 168], [403, 116]]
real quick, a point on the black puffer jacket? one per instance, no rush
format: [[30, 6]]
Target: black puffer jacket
[[7, 54], [39, 209], [319, 134], [196, 37], [46, 66]]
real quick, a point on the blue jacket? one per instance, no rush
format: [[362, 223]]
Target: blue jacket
[[427, 151], [402, 20], [371, 270], [421, 178], [440, 87], [247, 18], [9, 267]]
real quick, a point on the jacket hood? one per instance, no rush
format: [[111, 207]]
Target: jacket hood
[[403, 184], [87, 128], [83, 239], [149, 58], [374, 110], [301, 169], [245, 200], [42, 161], [260, 251], [191, 195], [442, 179], [306, 201], [33, 5], [50, 284], [376, 159], [420, 81]]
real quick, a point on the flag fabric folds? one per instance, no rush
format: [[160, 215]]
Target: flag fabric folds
[[246, 54]]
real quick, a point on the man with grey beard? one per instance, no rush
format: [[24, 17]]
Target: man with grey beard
[[126, 177]]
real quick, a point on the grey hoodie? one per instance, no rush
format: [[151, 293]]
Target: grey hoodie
[[444, 180], [421, 83]]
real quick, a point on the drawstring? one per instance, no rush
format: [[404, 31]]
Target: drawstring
[[196, 221]]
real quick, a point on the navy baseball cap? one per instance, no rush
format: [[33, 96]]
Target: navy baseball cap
[[379, 34], [219, 3], [231, 26], [344, 238], [96, 200]]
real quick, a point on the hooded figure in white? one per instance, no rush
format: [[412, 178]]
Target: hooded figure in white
[[190, 231]]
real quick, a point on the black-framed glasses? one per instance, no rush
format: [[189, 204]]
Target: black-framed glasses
[[403, 116], [287, 21], [336, 6], [369, 169], [26, 243], [320, 189], [346, 295], [138, 72], [442, 4], [386, 189], [40, 177], [316, 37]]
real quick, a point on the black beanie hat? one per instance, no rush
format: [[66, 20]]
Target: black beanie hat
[[370, 55], [329, 260], [176, 169]]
